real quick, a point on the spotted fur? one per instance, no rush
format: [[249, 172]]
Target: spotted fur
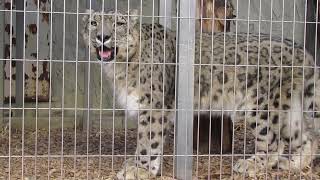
[[248, 77]]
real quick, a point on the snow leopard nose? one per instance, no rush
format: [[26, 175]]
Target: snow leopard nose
[[103, 39]]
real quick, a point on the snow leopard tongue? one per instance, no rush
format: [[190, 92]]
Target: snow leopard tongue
[[105, 54]]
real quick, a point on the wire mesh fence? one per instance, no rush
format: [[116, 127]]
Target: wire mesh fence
[[144, 89]]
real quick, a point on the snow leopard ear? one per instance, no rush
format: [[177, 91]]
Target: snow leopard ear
[[87, 15], [134, 16]]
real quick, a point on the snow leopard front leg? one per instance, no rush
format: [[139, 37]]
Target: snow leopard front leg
[[152, 131]]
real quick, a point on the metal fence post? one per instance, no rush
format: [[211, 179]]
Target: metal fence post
[[184, 124], [165, 11], [2, 44], [19, 55], [87, 76]]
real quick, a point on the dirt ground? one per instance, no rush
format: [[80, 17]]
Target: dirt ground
[[77, 155]]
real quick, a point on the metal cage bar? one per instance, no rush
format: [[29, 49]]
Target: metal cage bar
[[2, 38], [84, 155], [19, 54], [87, 74], [184, 124], [165, 11]]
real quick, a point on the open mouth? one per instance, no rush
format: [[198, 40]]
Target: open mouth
[[106, 54]]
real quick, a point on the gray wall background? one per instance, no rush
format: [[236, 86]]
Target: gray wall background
[[251, 10], [70, 65]]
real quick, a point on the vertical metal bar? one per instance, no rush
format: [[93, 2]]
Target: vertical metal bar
[[303, 80], [316, 57], [184, 126], [86, 80], [281, 68], [269, 83], [140, 39], [76, 91], [165, 13], [100, 101], [87, 101], [50, 89], [114, 94], [317, 42], [201, 6], [234, 85], [23, 89], [258, 69], [246, 90], [291, 89], [2, 38], [164, 10], [175, 87], [63, 89], [151, 64], [87, 95], [88, 74], [10, 88], [317, 51], [223, 83], [212, 19], [37, 87], [19, 56]]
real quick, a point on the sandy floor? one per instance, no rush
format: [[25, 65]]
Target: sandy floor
[[81, 157]]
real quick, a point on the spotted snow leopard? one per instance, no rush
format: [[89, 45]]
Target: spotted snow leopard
[[271, 82]]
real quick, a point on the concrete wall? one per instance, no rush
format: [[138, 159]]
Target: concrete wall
[[249, 9], [64, 65], [291, 13]]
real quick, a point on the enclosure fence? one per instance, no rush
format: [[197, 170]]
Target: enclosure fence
[[67, 112]]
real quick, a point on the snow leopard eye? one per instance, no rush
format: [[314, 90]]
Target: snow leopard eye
[[93, 23]]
